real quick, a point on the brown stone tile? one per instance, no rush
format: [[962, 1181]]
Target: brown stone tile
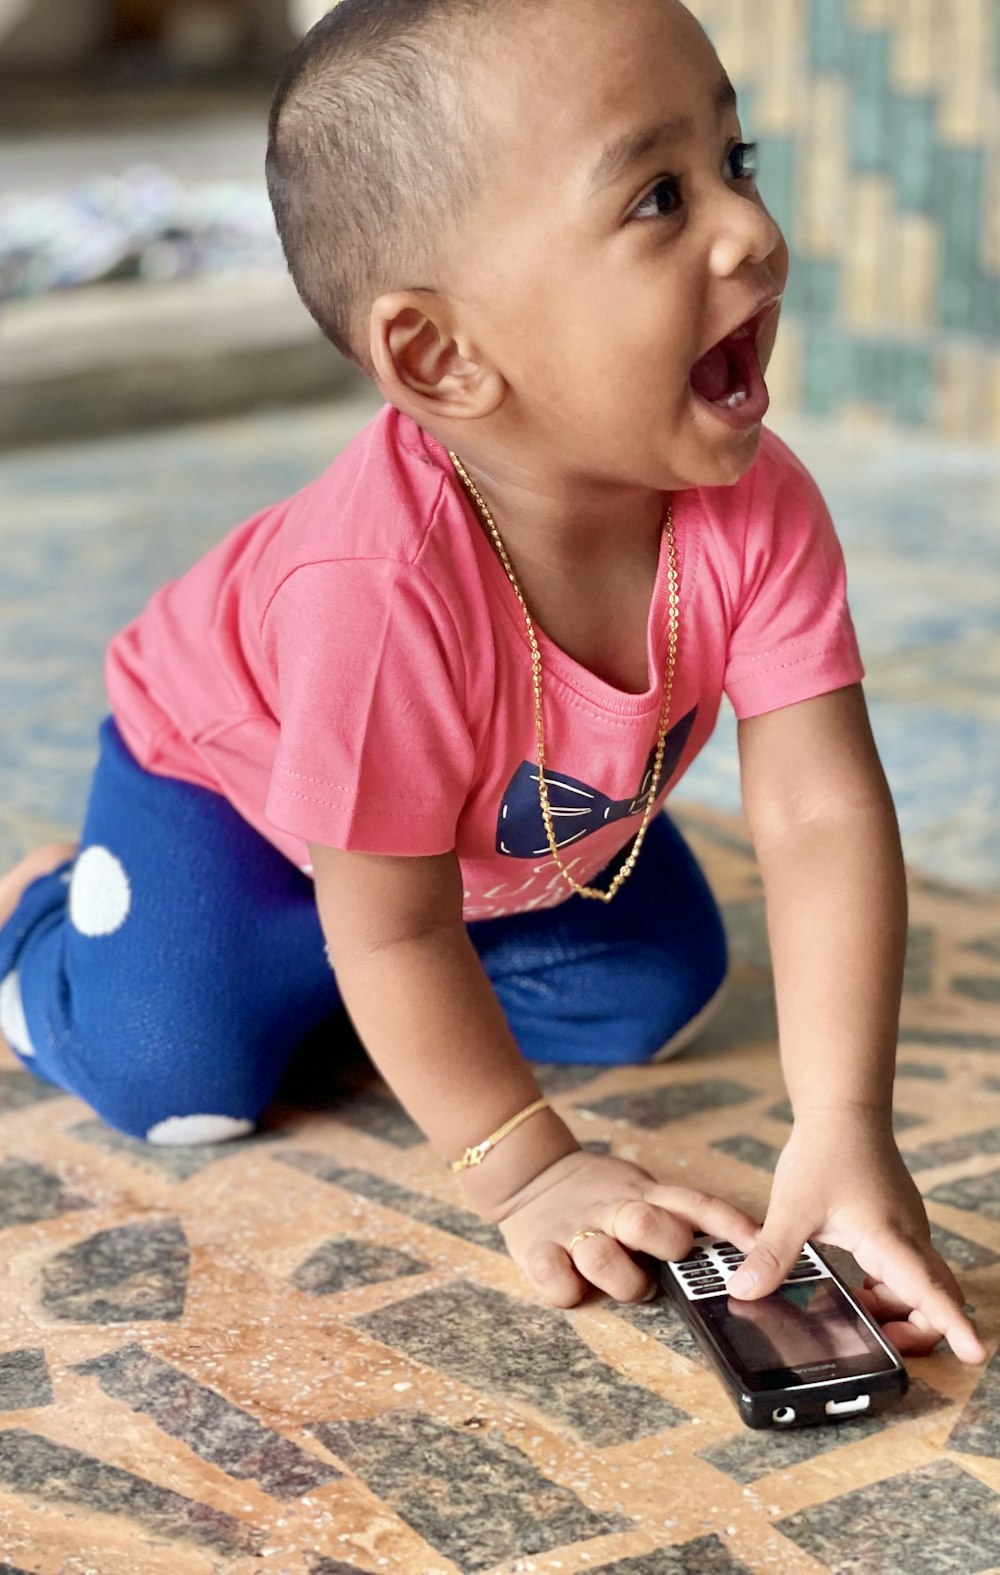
[[303, 1354]]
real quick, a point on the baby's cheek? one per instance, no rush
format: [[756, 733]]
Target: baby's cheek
[[768, 335]]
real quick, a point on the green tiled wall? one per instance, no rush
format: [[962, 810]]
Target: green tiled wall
[[893, 216]]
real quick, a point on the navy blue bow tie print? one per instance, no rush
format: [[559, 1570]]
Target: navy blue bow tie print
[[578, 810]]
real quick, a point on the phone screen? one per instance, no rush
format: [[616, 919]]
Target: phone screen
[[799, 1326]]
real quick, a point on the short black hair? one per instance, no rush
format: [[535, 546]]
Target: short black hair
[[373, 153]]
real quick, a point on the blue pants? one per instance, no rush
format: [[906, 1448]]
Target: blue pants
[[173, 968]]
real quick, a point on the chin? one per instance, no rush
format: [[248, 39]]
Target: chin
[[738, 461], [722, 463]]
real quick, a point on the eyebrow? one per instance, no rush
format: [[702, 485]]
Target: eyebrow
[[619, 156]]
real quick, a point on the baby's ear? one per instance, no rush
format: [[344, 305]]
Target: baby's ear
[[422, 364]]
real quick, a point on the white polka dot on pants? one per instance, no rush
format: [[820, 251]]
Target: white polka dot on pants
[[13, 1023], [199, 1129], [100, 895]]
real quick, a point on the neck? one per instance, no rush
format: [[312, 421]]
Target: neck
[[549, 519], [580, 600]]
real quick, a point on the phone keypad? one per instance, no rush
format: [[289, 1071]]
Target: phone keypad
[[707, 1269], [806, 1268]]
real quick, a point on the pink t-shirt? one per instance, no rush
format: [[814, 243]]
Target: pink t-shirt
[[350, 667]]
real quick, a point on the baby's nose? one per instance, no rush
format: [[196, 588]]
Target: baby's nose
[[747, 233]]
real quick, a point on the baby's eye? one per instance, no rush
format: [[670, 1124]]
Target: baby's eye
[[662, 202], [742, 161]]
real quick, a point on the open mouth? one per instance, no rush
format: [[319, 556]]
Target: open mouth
[[728, 377]]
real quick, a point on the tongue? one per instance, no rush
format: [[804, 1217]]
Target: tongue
[[710, 377]]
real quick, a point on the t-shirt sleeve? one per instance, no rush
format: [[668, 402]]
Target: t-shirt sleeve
[[374, 751], [792, 636]]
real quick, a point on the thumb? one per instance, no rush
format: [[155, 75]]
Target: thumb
[[768, 1262]]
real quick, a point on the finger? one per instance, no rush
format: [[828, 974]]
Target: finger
[[707, 1214], [770, 1260], [889, 1305], [927, 1286], [880, 1300], [552, 1272], [908, 1329], [643, 1227], [606, 1264], [942, 1275], [908, 1339]]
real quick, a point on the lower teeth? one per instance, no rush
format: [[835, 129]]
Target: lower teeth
[[739, 398]]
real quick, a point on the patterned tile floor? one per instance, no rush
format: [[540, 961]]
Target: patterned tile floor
[[299, 1353]]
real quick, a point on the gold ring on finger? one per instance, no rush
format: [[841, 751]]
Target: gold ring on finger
[[582, 1235]]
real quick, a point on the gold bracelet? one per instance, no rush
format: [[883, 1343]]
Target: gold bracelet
[[476, 1155]]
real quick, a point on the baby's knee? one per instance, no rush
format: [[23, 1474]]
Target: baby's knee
[[155, 1110], [150, 1075], [138, 1095], [177, 1131], [155, 1093], [142, 1043]]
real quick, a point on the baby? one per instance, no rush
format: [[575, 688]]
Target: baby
[[401, 741]]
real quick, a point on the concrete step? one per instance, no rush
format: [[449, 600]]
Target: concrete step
[[115, 357]]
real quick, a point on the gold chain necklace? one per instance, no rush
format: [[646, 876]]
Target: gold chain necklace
[[536, 677]]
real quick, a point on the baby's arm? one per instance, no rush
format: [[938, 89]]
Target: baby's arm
[[428, 1016], [825, 833]]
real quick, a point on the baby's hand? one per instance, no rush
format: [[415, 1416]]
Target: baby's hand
[[622, 1210], [841, 1180]]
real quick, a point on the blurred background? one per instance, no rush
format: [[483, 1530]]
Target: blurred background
[[132, 169], [159, 379]]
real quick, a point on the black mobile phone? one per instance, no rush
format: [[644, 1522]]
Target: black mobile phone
[[807, 1353]]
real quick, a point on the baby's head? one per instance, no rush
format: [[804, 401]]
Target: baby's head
[[528, 221]]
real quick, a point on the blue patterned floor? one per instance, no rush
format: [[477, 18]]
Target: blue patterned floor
[[88, 531]]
